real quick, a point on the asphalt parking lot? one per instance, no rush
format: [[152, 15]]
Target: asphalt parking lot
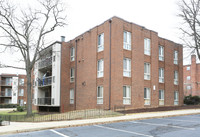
[[179, 126]]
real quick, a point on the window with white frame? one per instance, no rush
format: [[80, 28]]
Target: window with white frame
[[147, 96], [21, 82], [100, 42], [161, 97], [126, 95], [72, 75], [21, 92], [175, 57], [127, 40], [188, 67], [100, 95], [100, 67], [161, 75], [21, 102], [175, 77], [188, 77], [127, 67], [188, 87], [176, 97], [147, 46], [161, 53], [72, 53], [72, 96], [147, 71]]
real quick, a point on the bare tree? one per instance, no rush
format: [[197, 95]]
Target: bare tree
[[26, 30], [190, 14]]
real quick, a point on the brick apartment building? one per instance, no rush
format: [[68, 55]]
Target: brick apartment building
[[191, 76], [12, 89], [117, 63]]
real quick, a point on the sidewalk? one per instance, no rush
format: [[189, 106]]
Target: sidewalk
[[17, 127]]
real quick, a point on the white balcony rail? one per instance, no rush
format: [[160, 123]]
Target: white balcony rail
[[45, 81]]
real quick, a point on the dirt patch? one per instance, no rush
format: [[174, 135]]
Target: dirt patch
[[167, 108]]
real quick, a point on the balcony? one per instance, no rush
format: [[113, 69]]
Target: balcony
[[6, 83], [6, 94], [45, 63], [45, 101], [46, 81]]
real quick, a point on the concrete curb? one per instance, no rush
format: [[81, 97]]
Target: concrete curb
[[96, 121]]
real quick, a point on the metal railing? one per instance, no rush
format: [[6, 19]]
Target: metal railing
[[72, 115], [46, 81], [6, 94], [45, 101], [6, 83], [45, 63]]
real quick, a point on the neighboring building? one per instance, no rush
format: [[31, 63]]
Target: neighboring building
[[12, 89], [191, 78], [117, 63]]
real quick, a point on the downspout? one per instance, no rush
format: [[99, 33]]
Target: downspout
[[75, 84], [110, 21]]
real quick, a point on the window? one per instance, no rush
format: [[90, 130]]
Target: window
[[21, 92], [72, 53], [175, 77], [188, 67], [161, 53], [188, 87], [21, 82], [99, 95], [175, 57], [8, 82], [146, 71], [127, 67], [126, 95], [188, 77], [72, 96], [100, 68], [176, 97], [21, 102], [161, 75], [161, 97], [147, 47], [146, 96], [8, 92], [54, 58], [72, 75], [127, 40], [100, 42]]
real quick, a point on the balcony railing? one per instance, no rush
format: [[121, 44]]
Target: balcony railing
[[6, 94], [46, 81], [45, 63], [6, 83], [45, 101]]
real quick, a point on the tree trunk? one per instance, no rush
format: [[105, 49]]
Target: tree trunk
[[29, 97]]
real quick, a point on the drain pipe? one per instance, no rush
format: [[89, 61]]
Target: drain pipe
[[110, 21], [75, 84]]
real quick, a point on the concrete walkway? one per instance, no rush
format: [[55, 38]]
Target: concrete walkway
[[17, 127]]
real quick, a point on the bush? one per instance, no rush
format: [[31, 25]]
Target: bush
[[8, 105], [192, 100], [20, 108]]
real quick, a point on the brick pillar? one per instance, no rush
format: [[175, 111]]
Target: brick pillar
[[193, 74]]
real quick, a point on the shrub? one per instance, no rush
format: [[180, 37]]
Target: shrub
[[8, 105], [192, 100], [20, 108]]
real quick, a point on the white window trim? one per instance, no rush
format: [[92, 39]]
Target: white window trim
[[188, 68], [127, 43], [127, 100], [188, 88], [176, 100], [101, 45], [20, 93], [100, 73], [188, 77], [147, 100], [161, 100], [176, 57], [127, 72], [71, 96], [161, 54], [100, 99], [72, 57], [147, 76], [175, 78], [147, 46], [161, 78], [72, 76]]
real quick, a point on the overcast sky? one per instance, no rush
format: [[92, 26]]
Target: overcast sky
[[82, 15]]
